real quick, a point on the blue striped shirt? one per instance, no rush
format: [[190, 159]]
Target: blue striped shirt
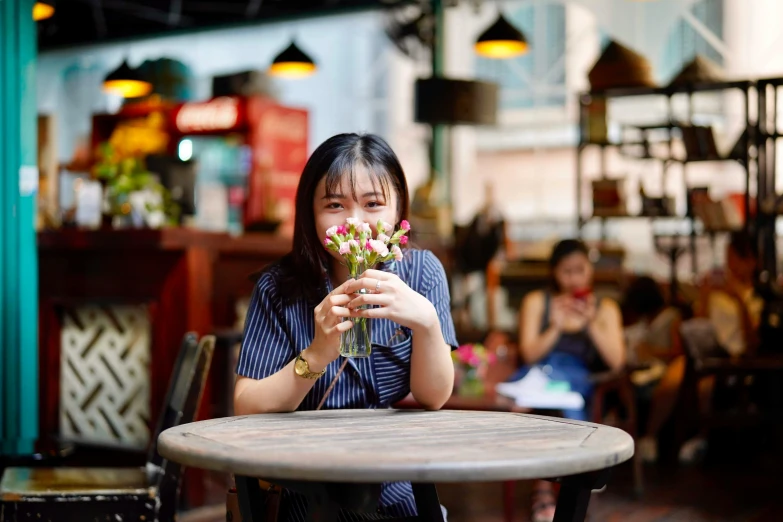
[[276, 331]]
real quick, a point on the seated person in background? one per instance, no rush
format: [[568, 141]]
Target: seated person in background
[[570, 333], [728, 299], [654, 341]]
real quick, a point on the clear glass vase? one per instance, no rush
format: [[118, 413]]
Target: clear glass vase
[[357, 341], [471, 385]]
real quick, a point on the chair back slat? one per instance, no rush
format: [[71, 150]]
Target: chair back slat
[[186, 390], [699, 339], [181, 378]]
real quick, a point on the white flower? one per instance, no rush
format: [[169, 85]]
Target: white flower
[[387, 226], [383, 237], [155, 219], [353, 244], [345, 248], [352, 221], [364, 227], [331, 231], [360, 260], [397, 253]]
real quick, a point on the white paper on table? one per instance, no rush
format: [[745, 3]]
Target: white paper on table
[[531, 392]]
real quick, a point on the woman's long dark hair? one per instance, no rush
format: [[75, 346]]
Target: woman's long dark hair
[[644, 299], [338, 156]]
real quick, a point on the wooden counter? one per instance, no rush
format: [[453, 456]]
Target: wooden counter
[[114, 305]]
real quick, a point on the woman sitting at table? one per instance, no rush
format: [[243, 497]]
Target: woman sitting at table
[[290, 358], [569, 334]]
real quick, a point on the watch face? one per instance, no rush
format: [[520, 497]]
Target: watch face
[[300, 367]]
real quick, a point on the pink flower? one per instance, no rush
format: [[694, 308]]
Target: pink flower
[[331, 231], [403, 240], [368, 246], [397, 253], [353, 244], [364, 227], [388, 227], [328, 242], [405, 225], [345, 248], [359, 259], [383, 237], [342, 230], [379, 247], [464, 352], [352, 221]]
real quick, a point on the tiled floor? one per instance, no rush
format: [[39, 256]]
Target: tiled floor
[[728, 492]]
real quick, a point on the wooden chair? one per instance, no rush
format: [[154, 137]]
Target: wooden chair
[[100, 494], [619, 382], [706, 359]]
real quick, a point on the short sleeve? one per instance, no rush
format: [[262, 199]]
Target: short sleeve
[[266, 348], [435, 287], [727, 322]]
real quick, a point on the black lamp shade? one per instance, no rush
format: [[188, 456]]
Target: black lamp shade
[[123, 72], [127, 82], [501, 40], [292, 62]]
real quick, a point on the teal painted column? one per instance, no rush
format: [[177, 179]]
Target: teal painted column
[[440, 137], [18, 253]]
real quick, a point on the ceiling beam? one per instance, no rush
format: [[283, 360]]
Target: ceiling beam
[[175, 12], [253, 6], [141, 11], [99, 18]]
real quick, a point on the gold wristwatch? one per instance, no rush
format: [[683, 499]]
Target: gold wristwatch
[[302, 369]]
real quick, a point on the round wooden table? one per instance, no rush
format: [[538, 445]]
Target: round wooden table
[[312, 451]]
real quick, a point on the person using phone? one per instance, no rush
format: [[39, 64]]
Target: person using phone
[[569, 333]]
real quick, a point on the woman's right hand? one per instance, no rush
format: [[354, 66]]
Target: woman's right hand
[[329, 325]]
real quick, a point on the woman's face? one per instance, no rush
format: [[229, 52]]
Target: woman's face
[[369, 206], [574, 272]]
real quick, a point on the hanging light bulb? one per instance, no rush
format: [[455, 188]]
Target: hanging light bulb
[[501, 40], [43, 10], [292, 63], [126, 82]]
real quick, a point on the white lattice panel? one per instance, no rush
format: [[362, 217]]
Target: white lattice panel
[[104, 376]]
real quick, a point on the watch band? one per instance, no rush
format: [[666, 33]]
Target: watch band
[[302, 369]]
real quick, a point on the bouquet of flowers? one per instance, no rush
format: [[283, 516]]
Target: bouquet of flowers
[[361, 251], [471, 362]]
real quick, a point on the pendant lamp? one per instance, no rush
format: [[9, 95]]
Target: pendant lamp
[[126, 82], [43, 10], [292, 63], [501, 40]]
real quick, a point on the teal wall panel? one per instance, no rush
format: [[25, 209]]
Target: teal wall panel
[[18, 255]]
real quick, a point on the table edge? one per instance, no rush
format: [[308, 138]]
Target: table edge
[[618, 449]]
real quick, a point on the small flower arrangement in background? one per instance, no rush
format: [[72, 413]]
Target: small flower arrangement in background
[[471, 362], [361, 251], [354, 242]]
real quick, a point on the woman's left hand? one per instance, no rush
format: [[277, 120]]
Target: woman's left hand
[[394, 299]]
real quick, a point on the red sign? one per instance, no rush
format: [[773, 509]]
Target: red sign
[[217, 115], [278, 137]]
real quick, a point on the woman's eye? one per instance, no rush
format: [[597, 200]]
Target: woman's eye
[[374, 204], [334, 205]]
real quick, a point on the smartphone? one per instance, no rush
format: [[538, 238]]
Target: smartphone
[[581, 293]]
